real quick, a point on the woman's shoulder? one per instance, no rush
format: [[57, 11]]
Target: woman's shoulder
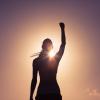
[[35, 63], [36, 60]]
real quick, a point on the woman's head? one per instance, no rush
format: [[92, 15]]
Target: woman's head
[[47, 45]]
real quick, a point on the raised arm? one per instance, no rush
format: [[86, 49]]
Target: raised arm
[[63, 41], [34, 80], [63, 38]]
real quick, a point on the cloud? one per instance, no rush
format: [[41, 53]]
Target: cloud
[[93, 92]]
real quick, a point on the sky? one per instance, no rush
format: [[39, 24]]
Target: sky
[[23, 27]]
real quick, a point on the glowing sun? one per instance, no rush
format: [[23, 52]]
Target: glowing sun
[[51, 53]]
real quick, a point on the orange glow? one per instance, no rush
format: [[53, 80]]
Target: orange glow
[[51, 54]]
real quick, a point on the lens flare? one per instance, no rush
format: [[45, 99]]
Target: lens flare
[[51, 54]]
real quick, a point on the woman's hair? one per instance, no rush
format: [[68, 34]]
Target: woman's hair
[[46, 42]]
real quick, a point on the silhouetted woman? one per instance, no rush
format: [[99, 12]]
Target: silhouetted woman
[[47, 67]]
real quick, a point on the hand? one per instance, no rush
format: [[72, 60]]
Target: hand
[[62, 25]]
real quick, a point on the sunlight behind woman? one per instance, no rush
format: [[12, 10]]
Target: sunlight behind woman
[[51, 54]]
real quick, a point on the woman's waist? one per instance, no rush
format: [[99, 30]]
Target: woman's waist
[[48, 84], [52, 87]]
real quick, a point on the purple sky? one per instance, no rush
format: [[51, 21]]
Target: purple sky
[[23, 22]]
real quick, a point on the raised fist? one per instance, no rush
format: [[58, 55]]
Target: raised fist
[[62, 25]]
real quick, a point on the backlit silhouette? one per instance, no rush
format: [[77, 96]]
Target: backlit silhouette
[[47, 67]]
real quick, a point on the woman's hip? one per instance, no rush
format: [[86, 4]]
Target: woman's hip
[[50, 96]]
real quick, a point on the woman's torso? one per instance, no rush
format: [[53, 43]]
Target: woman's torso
[[48, 70]]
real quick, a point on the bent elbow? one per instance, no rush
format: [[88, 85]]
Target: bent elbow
[[64, 43]]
